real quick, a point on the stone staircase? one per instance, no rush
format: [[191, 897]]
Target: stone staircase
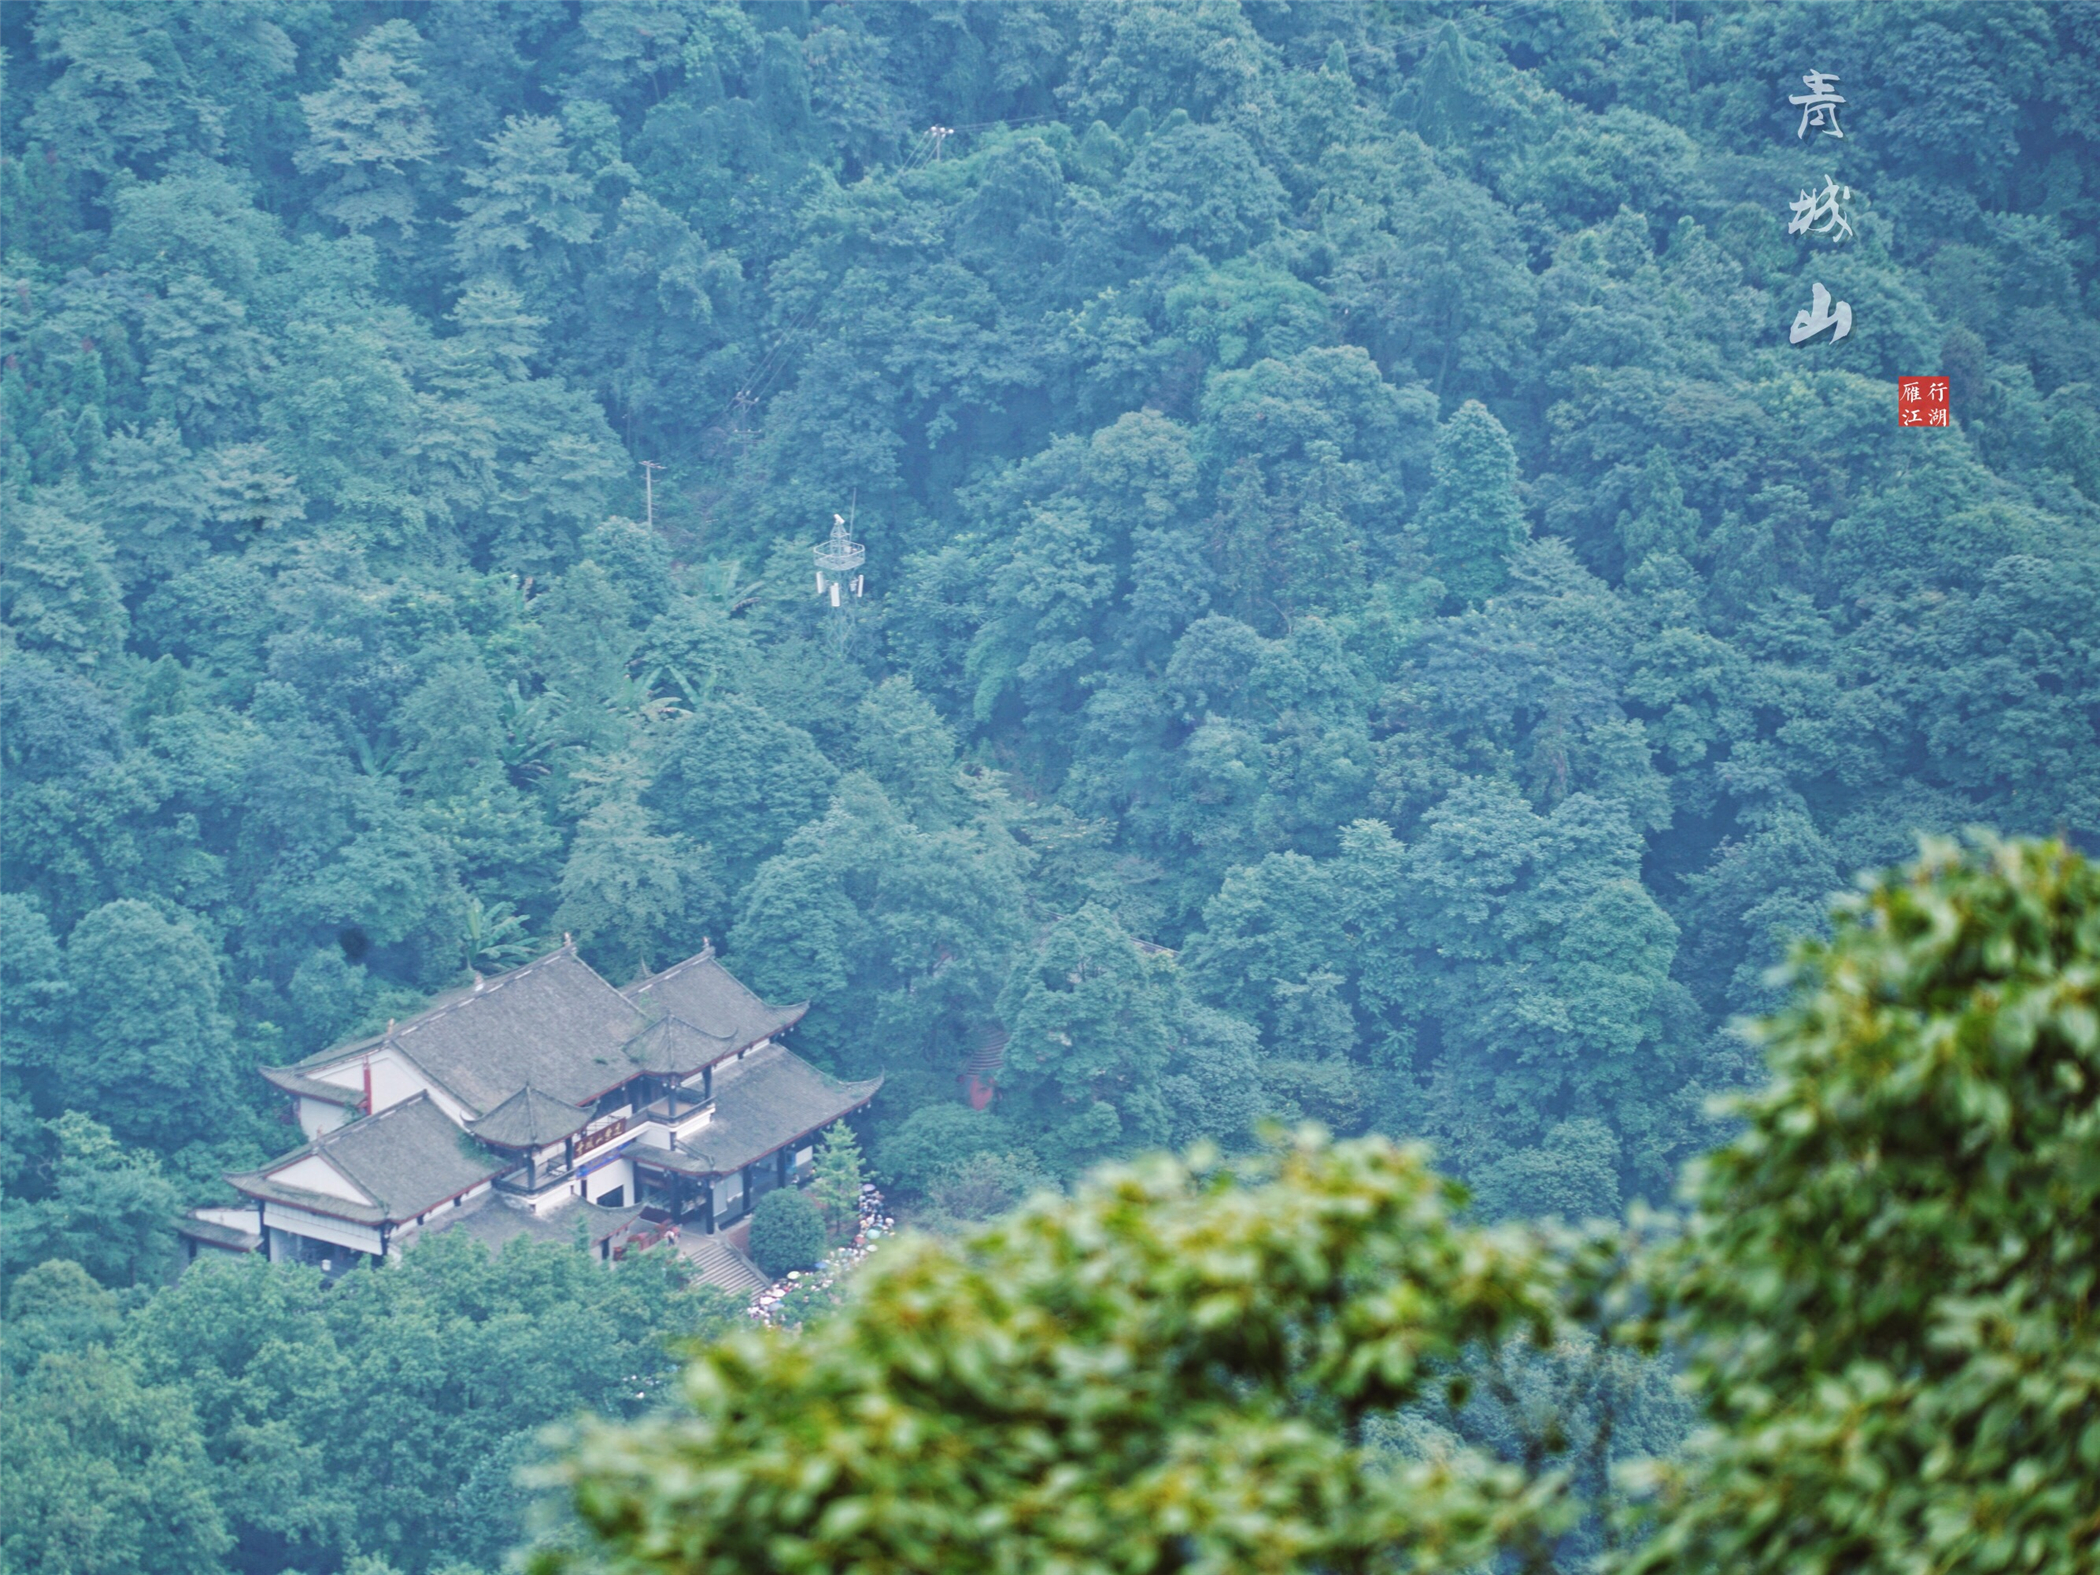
[[719, 1262]]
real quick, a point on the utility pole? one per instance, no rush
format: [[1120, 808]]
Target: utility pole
[[740, 425], [649, 470]]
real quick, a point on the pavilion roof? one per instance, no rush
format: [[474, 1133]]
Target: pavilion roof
[[673, 1046], [703, 994], [555, 1026], [763, 1102], [529, 1119]]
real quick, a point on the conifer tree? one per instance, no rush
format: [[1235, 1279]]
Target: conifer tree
[[1471, 518], [836, 1188], [368, 128]]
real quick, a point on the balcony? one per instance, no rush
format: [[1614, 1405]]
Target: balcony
[[534, 1185], [672, 1118], [660, 1124]]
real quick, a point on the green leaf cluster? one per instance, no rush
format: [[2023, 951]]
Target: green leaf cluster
[[248, 1416], [1163, 1372], [1887, 1290], [787, 1232], [1883, 1298]]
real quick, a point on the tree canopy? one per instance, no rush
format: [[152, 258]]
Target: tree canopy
[[1885, 1288], [1340, 509], [1368, 617]]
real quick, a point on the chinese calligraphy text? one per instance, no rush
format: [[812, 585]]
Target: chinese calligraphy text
[[1922, 402], [1819, 106], [1818, 212], [1822, 314]]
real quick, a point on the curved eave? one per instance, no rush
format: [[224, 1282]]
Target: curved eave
[[225, 1237], [292, 1081], [690, 1162], [264, 1190]]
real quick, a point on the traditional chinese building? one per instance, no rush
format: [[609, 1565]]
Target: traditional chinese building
[[536, 1102]]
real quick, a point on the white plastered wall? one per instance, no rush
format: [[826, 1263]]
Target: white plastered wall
[[394, 1078], [618, 1173], [319, 1115], [315, 1174]]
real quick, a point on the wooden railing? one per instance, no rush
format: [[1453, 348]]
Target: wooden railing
[[674, 1113]]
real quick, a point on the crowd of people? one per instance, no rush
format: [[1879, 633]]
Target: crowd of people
[[798, 1293]]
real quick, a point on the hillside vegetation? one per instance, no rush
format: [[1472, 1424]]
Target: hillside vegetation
[[1340, 506], [1369, 621]]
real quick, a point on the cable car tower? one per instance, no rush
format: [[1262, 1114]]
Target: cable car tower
[[837, 558]]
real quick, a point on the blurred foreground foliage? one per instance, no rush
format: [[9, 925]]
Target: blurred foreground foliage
[[1884, 1294]]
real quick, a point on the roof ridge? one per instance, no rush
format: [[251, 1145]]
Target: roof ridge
[[527, 1099], [334, 1053], [706, 953], [690, 1026], [421, 1094], [569, 948], [531, 1091], [392, 1032], [317, 1147], [506, 1103], [488, 988]]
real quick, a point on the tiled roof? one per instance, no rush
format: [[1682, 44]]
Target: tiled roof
[[556, 1027], [528, 1052], [293, 1081], [764, 1102], [709, 997], [213, 1234], [410, 1157], [258, 1184], [673, 1045], [529, 1119], [682, 1160], [553, 1025]]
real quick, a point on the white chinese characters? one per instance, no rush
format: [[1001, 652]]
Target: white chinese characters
[[1822, 315], [1819, 106], [1817, 212], [1821, 212]]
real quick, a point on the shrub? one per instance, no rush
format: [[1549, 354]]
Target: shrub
[[787, 1232], [1889, 1291], [935, 1137], [1886, 1299], [985, 1186]]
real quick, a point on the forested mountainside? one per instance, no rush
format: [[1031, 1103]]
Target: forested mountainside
[[1341, 508]]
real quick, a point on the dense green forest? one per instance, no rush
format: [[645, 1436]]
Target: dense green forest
[[1341, 505], [247, 1418]]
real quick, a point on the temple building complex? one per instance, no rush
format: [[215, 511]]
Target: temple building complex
[[544, 1102]]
